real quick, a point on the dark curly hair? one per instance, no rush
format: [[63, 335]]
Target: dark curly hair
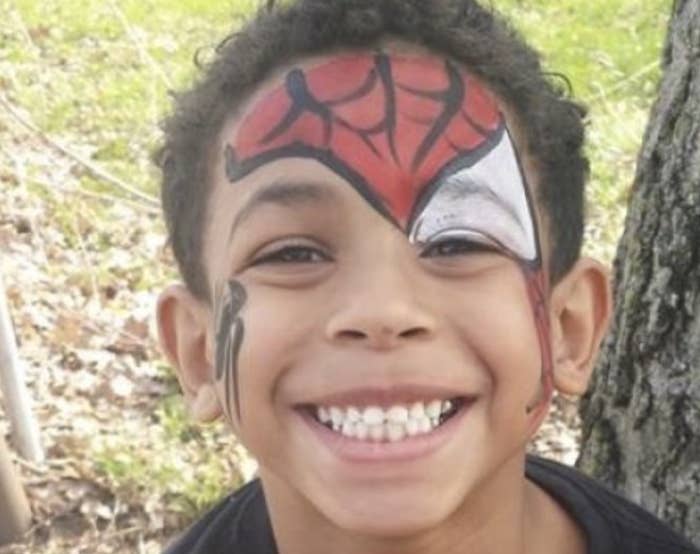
[[551, 123]]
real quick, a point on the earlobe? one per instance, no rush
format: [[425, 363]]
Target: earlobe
[[580, 311], [183, 332], [205, 407]]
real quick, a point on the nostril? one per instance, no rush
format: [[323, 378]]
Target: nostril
[[414, 332], [383, 334], [351, 334]]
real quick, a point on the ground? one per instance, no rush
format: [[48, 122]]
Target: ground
[[83, 248]]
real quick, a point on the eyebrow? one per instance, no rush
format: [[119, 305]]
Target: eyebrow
[[471, 187], [288, 194]]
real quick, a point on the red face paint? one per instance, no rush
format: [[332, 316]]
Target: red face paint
[[390, 126], [420, 139]]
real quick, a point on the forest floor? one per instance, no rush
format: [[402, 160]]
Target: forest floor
[[83, 250]]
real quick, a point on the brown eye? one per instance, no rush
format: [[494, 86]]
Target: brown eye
[[455, 247], [293, 254]]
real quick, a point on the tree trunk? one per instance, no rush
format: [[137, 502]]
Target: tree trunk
[[641, 418]]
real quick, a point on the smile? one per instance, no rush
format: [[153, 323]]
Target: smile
[[390, 424]]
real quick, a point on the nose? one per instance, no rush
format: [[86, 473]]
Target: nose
[[381, 310]]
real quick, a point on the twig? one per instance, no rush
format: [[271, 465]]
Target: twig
[[100, 196], [143, 51], [108, 198], [102, 328], [96, 171], [36, 468]]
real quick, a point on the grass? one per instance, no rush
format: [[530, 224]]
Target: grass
[[110, 65], [135, 470], [610, 51], [96, 74]]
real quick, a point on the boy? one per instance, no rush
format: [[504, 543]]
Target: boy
[[376, 207]]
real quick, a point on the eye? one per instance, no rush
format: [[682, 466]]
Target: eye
[[455, 247], [291, 254]]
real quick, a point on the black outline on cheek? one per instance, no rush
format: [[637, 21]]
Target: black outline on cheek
[[230, 331]]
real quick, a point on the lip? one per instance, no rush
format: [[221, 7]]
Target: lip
[[385, 396], [354, 451]]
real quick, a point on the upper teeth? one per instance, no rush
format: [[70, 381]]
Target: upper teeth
[[393, 423]]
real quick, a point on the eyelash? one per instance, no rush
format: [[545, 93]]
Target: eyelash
[[302, 254], [460, 247], [289, 254]]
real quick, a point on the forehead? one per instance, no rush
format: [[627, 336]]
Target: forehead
[[331, 75], [399, 121]]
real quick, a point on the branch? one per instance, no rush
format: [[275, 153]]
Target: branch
[[100, 196], [94, 169]]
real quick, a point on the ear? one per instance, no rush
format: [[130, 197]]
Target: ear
[[580, 306], [183, 331]]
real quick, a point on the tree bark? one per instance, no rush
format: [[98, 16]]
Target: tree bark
[[641, 418]]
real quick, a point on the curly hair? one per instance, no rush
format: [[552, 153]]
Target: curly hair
[[552, 124]]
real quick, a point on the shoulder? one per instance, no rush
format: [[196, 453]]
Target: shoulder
[[611, 523], [239, 520]]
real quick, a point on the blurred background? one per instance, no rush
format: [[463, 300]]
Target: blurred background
[[83, 85]]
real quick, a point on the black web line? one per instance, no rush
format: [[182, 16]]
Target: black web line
[[363, 90], [452, 97], [303, 101], [383, 65], [325, 157]]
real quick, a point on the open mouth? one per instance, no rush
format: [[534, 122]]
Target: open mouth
[[387, 424]]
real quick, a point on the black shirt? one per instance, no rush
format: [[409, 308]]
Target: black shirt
[[612, 525]]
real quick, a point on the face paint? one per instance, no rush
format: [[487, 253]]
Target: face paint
[[230, 299], [422, 141], [389, 126]]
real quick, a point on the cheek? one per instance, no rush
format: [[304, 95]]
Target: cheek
[[278, 325], [496, 319], [505, 342]]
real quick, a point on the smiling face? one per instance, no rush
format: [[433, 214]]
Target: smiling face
[[381, 337]]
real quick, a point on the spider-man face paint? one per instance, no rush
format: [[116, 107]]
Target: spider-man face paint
[[421, 140], [230, 299]]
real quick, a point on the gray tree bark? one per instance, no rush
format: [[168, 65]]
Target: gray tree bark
[[641, 418]]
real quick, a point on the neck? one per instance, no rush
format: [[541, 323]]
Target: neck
[[495, 518]]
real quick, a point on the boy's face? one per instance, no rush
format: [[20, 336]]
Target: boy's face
[[374, 251]]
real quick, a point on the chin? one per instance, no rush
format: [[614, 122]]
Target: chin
[[390, 526], [390, 519]]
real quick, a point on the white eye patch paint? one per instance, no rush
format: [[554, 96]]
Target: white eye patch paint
[[486, 202]]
